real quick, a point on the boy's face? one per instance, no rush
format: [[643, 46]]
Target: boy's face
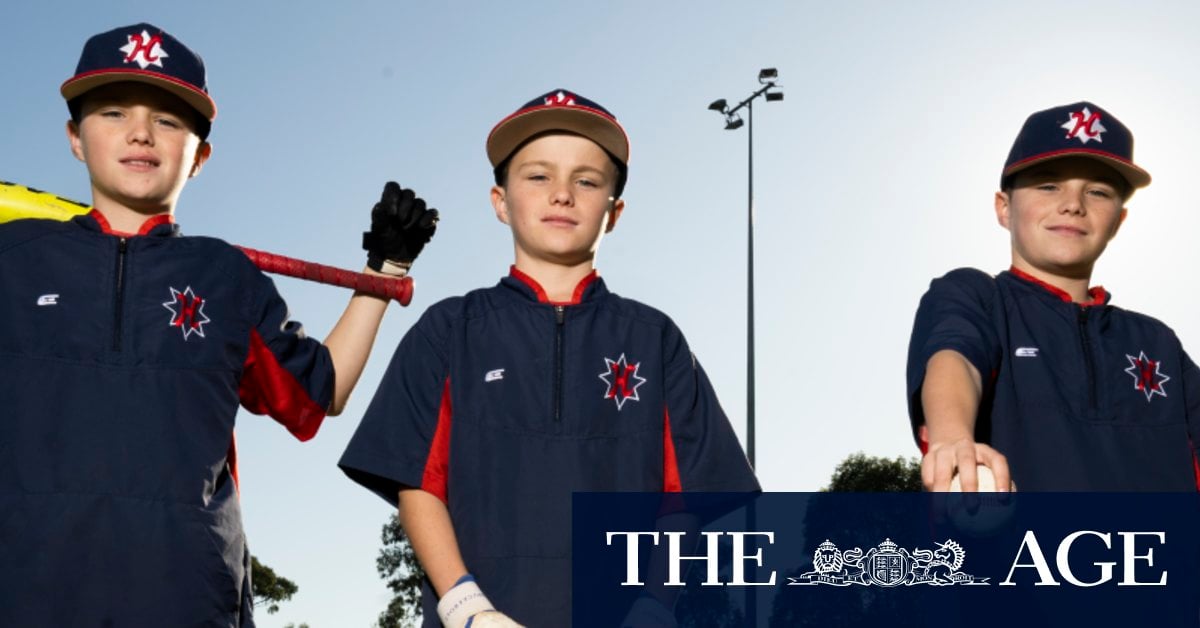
[[139, 144], [1062, 214], [557, 199]]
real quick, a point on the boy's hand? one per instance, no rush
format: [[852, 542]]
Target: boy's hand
[[400, 227], [943, 459]]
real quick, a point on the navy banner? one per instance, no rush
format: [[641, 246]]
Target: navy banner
[[886, 559]]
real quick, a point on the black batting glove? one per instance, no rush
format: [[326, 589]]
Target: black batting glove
[[400, 227]]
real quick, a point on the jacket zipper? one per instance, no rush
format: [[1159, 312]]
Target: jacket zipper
[[559, 318], [1087, 355], [122, 246]]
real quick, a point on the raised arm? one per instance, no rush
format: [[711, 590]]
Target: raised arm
[[401, 225]]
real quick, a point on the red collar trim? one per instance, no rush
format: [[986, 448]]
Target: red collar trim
[[101, 220], [1097, 293], [145, 229], [154, 221], [576, 298]]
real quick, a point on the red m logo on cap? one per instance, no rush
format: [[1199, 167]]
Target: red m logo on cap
[[1085, 125], [144, 47]]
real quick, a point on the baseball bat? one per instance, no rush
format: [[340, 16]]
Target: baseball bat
[[18, 201]]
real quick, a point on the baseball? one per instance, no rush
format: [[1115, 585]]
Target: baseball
[[987, 481], [983, 514]]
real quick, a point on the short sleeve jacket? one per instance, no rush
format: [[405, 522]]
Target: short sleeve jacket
[[1079, 397], [502, 403], [123, 360]]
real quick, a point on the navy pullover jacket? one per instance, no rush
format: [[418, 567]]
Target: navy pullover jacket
[[502, 403], [1079, 397], [123, 360]]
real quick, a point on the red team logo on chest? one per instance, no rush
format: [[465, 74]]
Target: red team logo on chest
[[187, 312], [1147, 376], [622, 380]]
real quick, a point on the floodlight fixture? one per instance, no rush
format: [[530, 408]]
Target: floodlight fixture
[[768, 87]]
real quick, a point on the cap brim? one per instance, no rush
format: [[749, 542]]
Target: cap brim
[[1136, 177], [519, 127], [83, 83]]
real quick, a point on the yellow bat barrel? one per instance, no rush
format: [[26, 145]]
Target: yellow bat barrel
[[18, 201]]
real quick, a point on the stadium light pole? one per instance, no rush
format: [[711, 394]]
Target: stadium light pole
[[768, 78]]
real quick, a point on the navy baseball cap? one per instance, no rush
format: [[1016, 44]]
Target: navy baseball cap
[[146, 54], [1078, 130], [558, 110]]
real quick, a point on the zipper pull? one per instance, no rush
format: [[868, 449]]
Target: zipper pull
[[559, 313]]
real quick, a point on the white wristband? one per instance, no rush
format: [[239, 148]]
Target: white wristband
[[461, 602], [395, 269]]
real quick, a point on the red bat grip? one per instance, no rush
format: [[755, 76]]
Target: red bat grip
[[388, 287]]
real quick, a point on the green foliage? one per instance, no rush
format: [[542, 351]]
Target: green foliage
[[269, 588], [397, 565], [861, 473], [855, 605]]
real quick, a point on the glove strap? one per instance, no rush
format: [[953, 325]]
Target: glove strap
[[394, 268], [376, 261], [461, 602]]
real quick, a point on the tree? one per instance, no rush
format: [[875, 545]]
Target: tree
[[856, 606], [269, 587], [861, 473], [397, 565]]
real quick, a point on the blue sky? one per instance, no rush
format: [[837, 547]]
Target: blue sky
[[875, 175]]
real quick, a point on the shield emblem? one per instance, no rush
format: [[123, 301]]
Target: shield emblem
[[888, 568]]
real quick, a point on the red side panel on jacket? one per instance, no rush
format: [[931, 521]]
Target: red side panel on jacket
[[434, 480], [671, 481], [268, 388]]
